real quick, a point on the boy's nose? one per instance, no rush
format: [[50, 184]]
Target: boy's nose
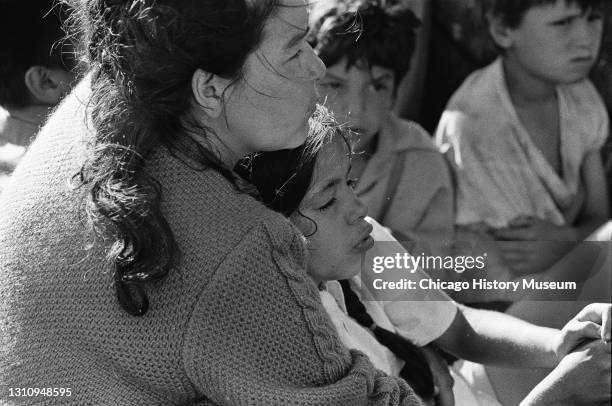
[[585, 33], [356, 106], [356, 113]]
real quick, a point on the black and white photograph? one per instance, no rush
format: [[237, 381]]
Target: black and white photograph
[[305, 202]]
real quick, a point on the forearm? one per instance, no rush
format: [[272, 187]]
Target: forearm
[[495, 338], [544, 394]]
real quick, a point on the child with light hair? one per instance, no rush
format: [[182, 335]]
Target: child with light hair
[[524, 134]]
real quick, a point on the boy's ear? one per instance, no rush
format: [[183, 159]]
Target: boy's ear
[[207, 89], [46, 85], [501, 33]]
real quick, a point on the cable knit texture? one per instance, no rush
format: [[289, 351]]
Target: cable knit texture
[[236, 322]]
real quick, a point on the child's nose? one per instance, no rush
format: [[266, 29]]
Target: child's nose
[[359, 209], [585, 33], [357, 106]]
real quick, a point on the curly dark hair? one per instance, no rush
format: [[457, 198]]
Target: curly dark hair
[[511, 12], [143, 54], [366, 32]]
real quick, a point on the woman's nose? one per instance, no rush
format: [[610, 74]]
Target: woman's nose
[[316, 67]]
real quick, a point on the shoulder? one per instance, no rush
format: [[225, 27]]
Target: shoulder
[[416, 147], [409, 135], [583, 93], [584, 103], [478, 90], [212, 219], [585, 115], [477, 110]]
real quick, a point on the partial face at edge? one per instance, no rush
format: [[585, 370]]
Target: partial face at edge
[[333, 217], [558, 43]]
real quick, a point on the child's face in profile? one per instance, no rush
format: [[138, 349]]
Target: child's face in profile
[[358, 96], [559, 42], [332, 217]]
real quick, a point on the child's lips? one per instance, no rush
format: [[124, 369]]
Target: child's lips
[[365, 244], [366, 241]]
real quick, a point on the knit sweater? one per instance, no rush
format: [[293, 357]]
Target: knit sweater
[[237, 321]]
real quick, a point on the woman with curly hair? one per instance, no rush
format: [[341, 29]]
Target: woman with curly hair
[[135, 268]]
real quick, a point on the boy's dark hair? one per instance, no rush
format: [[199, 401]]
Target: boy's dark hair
[[31, 34], [511, 12], [366, 32]]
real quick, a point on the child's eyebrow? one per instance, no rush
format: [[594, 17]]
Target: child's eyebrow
[[384, 76]]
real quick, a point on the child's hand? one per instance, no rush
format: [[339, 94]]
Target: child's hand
[[591, 323], [529, 245], [581, 378], [528, 228]]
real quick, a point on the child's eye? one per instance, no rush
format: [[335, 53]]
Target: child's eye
[[352, 183], [379, 87], [594, 16], [331, 85], [328, 204], [564, 22]]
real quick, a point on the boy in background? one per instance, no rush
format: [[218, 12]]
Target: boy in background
[[35, 73], [524, 134], [366, 46]]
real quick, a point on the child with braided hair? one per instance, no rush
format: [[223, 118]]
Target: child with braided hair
[[312, 187]]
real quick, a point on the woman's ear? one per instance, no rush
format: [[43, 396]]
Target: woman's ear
[[46, 85], [501, 33], [207, 89]]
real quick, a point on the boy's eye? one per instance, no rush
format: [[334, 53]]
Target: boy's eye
[[594, 16], [352, 183], [379, 87], [331, 85], [328, 204], [563, 22]]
